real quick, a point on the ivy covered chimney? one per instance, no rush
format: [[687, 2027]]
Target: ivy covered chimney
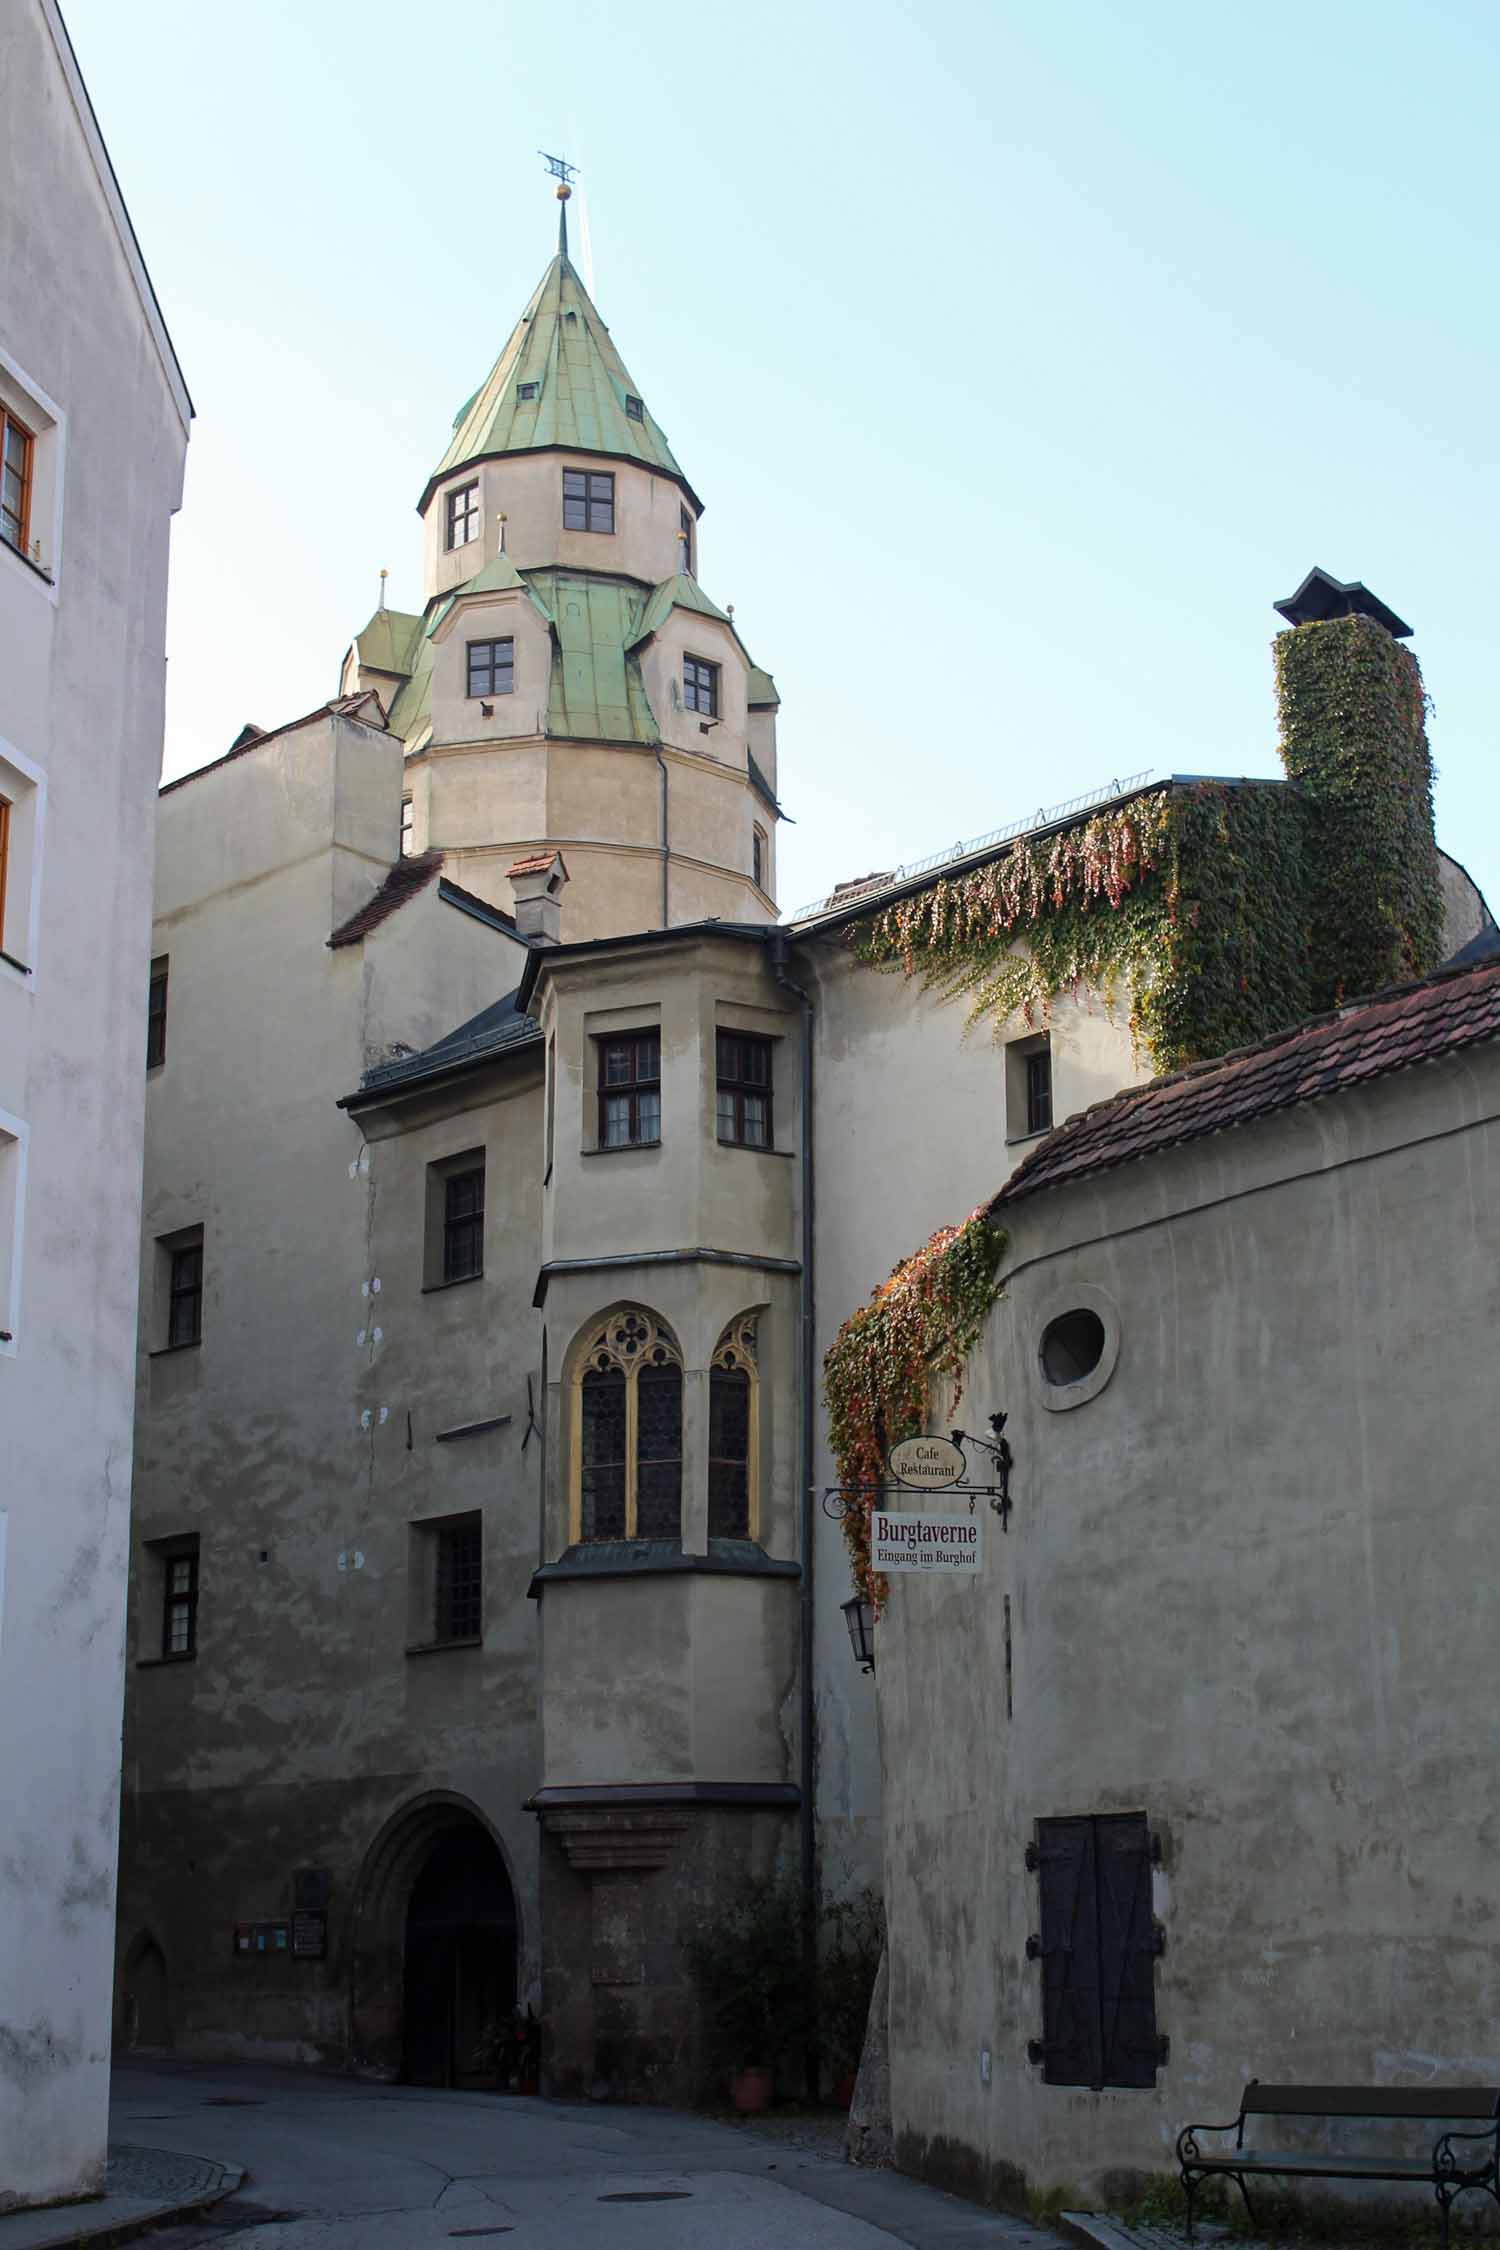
[[1354, 740]]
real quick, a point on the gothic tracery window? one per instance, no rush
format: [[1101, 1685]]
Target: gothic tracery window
[[629, 1423], [731, 1431]]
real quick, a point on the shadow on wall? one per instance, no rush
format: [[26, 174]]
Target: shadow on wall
[[145, 2018]]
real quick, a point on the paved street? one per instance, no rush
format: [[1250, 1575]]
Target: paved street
[[336, 2164]]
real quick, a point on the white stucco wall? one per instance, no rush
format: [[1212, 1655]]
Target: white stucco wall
[[85, 361]]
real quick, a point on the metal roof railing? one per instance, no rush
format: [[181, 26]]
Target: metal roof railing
[[1046, 816]]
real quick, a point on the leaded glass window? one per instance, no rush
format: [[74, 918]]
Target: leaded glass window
[[630, 1430], [604, 1420], [731, 1450], [458, 1589]]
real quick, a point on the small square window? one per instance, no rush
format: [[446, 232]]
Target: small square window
[[525, 391], [492, 667], [588, 501], [156, 1015], [630, 1089], [700, 686], [183, 1255], [463, 515], [634, 407], [744, 1089]]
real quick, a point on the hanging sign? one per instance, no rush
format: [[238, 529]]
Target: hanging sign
[[926, 1541], [926, 1463]]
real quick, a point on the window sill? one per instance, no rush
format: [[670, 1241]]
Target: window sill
[[460, 1281], [160, 1663], [621, 1148], [12, 963], [165, 1351], [593, 1559], [441, 1648], [754, 1148], [35, 568], [1022, 1140]]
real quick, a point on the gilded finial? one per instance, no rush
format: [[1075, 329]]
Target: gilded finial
[[563, 172]]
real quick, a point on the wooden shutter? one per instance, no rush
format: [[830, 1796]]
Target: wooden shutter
[[1071, 2047], [1127, 1950]]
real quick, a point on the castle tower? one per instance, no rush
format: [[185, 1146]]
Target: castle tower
[[568, 685]]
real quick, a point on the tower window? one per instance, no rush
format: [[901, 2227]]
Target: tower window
[[156, 1015], [629, 1394], [634, 407], [492, 667], [685, 542], [758, 858], [179, 1609], [463, 1225], [15, 481], [744, 1090], [588, 500], [525, 391], [463, 515], [700, 686], [630, 1090]]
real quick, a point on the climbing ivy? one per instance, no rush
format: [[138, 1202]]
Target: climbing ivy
[[1354, 736], [920, 1324], [1187, 902]]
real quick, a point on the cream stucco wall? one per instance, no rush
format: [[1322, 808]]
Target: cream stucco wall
[[528, 489], [85, 362], [1248, 1585]]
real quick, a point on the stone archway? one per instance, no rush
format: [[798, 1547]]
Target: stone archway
[[435, 1943], [145, 2016]]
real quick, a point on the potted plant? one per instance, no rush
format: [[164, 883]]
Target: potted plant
[[848, 1957], [749, 1973]]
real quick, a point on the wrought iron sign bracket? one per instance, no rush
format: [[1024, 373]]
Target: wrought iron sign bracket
[[838, 1499]]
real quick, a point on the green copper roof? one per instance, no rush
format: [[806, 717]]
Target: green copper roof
[[388, 643], [680, 592], [597, 694], [562, 347], [411, 709], [761, 688]]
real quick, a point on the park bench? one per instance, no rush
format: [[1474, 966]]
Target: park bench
[[1455, 2161]]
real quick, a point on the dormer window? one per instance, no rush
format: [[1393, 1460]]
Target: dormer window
[[700, 686], [463, 515], [634, 407], [588, 501], [492, 667], [525, 391]]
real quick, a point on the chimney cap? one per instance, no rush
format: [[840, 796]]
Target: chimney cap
[[1321, 596]]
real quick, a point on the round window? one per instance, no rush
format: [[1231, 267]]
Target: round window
[[1072, 1346]]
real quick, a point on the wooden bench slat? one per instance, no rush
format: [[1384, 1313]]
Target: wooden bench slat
[[1312, 2163], [1370, 2101]]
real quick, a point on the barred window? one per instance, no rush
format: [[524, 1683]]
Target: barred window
[[630, 1089], [588, 500], [458, 1581], [744, 1090], [492, 667], [630, 1431]]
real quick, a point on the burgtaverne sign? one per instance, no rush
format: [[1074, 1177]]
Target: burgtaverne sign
[[926, 1540]]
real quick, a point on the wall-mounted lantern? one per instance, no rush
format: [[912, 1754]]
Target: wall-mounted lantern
[[859, 1616]]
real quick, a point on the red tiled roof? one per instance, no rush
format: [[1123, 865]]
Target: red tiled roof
[[535, 863], [1332, 1054], [405, 879], [342, 707]]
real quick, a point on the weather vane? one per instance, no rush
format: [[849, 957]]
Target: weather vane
[[564, 173]]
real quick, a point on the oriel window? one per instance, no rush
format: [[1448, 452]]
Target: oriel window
[[185, 1294], [463, 515], [156, 1015], [630, 1090], [492, 667], [731, 1407], [463, 1225], [179, 1616], [16, 452], [588, 500], [744, 1090], [700, 686], [458, 1581], [629, 1430]]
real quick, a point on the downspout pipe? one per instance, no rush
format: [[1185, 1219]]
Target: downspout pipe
[[666, 836], [807, 1734]]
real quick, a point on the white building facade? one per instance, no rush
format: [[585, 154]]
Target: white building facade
[[94, 421]]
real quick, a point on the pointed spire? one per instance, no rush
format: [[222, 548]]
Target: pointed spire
[[564, 191]]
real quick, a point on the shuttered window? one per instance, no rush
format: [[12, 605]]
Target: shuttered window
[[1098, 1946]]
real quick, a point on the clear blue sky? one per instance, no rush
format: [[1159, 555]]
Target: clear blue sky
[[1023, 355]]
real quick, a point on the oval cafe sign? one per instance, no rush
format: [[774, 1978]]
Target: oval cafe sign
[[926, 1464]]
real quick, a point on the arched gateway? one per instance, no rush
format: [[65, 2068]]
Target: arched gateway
[[434, 1961]]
